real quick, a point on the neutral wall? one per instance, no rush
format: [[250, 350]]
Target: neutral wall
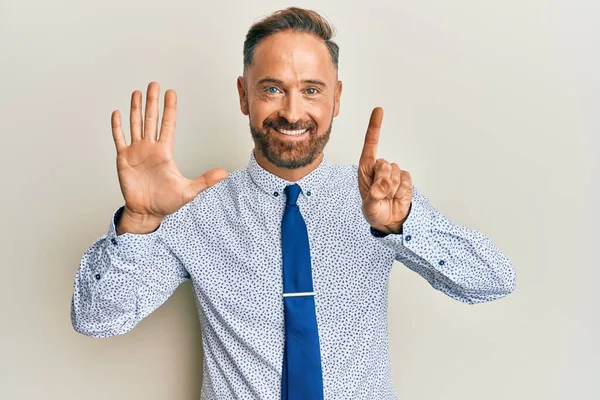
[[492, 107]]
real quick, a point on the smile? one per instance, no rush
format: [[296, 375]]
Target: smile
[[293, 135]]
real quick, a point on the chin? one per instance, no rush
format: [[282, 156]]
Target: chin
[[288, 162], [289, 154]]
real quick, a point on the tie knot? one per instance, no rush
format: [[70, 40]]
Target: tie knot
[[291, 192]]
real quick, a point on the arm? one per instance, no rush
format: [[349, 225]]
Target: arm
[[122, 279], [459, 261]]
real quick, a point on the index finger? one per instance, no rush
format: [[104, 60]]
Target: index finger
[[369, 151]]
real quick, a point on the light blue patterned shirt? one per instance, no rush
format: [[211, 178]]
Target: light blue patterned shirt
[[228, 242]]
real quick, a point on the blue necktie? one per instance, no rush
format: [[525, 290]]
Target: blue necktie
[[302, 374]]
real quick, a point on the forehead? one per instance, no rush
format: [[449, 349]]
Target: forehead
[[291, 56]]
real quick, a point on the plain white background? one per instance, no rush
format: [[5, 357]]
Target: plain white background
[[492, 107]]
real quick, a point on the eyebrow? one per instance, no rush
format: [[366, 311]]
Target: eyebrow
[[280, 82]]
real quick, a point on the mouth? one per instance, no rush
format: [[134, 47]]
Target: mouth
[[293, 135]]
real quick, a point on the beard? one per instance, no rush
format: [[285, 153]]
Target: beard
[[289, 154]]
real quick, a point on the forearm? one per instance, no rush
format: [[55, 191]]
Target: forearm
[[461, 262]]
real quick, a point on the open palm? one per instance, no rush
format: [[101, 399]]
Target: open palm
[[151, 183]]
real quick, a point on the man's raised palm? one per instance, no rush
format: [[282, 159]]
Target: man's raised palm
[[151, 183]]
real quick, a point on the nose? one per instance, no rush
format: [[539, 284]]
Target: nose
[[292, 109]]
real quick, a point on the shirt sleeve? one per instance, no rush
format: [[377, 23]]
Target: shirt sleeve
[[459, 261], [122, 279]]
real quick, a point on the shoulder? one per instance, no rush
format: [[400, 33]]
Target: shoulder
[[343, 172], [223, 191], [343, 176]]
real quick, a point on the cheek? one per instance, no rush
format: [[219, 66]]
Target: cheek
[[323, 113], [257, 115], [261, 109], [322, 107]]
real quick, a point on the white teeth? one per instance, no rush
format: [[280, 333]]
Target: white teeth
[[292, 133]]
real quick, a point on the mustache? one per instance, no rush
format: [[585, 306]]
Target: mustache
[[282, 123]]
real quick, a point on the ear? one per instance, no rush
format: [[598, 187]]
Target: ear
[[243, 96], [336, 99]]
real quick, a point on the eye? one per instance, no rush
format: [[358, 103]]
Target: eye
[[272, 89], [312, 91]]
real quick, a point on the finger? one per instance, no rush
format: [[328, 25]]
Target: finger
[[382, 181], [117, 130], [207, 180], [135, 116], [167, 126], [151, 115], [396, 177], [369, 152], [405, 186]]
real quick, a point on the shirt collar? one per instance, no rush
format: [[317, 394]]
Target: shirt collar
[[311, 184]]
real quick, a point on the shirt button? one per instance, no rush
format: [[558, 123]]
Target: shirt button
[[442, 262], [308, 193], [97, 276], [113, 241], [276, 194], [407, 238]]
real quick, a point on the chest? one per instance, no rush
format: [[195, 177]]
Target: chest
[[238, 273]]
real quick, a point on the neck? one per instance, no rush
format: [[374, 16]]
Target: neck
[[291, 175]]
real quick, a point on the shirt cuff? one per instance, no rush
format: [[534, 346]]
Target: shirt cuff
[[379, 234], [413, 227], [128, 245]]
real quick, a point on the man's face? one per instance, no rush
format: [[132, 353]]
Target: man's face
[[291, 95]]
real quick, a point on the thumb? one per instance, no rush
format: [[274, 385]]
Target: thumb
[[377, 192], [207, 180]]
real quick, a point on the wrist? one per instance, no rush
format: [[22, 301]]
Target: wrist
[[397, 229], [132, 222], [384, 231]]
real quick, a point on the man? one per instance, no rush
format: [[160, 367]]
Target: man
[[289, 256]]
